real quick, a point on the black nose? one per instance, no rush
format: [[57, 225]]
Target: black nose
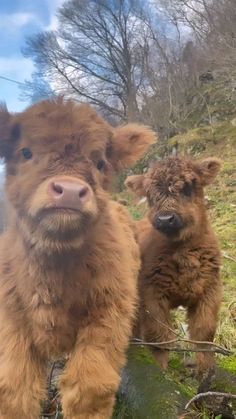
[[169, 223]]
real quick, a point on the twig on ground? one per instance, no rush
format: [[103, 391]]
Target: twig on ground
[[163, 345], [210, 394], [226, 256], [214, 347]]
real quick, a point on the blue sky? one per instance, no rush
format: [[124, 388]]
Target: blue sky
[[18, 19]]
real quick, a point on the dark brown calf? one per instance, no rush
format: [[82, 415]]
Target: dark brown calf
[[180, 253], [68, 260]]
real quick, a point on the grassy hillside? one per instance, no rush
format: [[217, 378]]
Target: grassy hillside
[[215, 140], [220, 140]]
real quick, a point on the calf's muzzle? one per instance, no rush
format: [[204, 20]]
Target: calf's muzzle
[[168, 223], [69, 194]]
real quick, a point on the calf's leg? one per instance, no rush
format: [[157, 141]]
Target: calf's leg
[[92, 374], [202, 327], [156, 327], [21, 377]]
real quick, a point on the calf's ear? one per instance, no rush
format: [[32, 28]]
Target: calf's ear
[[129, 143], [208, 169], [9, 132], [136, 184]]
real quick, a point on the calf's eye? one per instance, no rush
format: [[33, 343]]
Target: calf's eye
[[100, 165], [187, 189], [26, 153]]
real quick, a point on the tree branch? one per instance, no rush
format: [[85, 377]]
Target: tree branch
[[212, 347], [210, 394]]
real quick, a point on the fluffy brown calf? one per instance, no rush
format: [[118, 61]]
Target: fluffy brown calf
[[69, 261], [180, 253]]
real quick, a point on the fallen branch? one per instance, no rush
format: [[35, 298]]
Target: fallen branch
[[212, 347], [226, 256], [210, 394], [217, 348]]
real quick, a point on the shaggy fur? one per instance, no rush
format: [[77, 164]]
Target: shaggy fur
[[67, 278], [179, 267]]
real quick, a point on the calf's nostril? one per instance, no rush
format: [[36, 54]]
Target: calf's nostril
[[83, 192], [166, 219], [56, 187], [171, 219]]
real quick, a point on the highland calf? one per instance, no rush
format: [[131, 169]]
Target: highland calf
[[68, 260], [180, 253]]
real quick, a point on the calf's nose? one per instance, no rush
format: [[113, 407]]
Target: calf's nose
[[69, 194], [166, 219], [168, 223]]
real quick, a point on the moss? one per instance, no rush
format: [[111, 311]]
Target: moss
[[121, 410], [224, 385], [179, 374], [175, 363], [142, 356], [186, 390], [228, 364], [147, 392]]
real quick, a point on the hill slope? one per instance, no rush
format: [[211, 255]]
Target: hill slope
[[216, 140]]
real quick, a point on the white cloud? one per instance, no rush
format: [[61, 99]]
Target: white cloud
[[18, 68], [53, 24], [15, 66], [53, 8], [14, 21], [54, 4]]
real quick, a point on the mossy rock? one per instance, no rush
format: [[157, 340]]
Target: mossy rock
[[147, 392], [223, 382]]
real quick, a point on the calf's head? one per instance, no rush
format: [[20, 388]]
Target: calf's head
[[174, 191], [59, 158]]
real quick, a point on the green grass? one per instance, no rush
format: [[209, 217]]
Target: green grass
[[220, 141], [229, 364]]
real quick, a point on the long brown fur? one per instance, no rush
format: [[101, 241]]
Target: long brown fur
[[180, 268], [67, 281]]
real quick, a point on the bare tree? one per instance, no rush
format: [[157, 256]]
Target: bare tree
[[136, 59], [213, 24], [98, 53], [36, 89], [169, 77], [200, 39]]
